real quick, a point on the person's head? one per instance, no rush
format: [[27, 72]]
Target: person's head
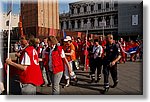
[[52, 41], [121, 39], [96, 42], [45, 41], [91, 42], [67, 40], [109, 38], [24, 41], [72, 38], [37, 41], [101, 38], [78, 39]]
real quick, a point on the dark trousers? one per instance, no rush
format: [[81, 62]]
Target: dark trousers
[[48, 76], [97, 64], [91, 64], [113, 71]]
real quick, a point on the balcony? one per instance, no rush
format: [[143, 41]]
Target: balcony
[[96, 28], [94, 12]]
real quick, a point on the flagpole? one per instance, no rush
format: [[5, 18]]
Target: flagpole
[[86, 50], [9, 49]]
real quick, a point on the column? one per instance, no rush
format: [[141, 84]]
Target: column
[[89, 23], [95, 7], [104, 20], [112, 3], [64, 25], [70, 26], [81, 9], [82, 23], [88, 8], [96, 22], [75, 10], [111, 20], [76, 24], [103, 4]]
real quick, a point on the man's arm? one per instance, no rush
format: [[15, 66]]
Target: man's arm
[[116, 60], [67, 64], [69, 54], [18, 66], [119, 55]]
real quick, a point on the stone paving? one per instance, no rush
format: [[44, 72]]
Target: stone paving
[[130, 83]]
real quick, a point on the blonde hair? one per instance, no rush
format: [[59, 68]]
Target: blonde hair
[[53, 40], [37, 40], [109, 36]]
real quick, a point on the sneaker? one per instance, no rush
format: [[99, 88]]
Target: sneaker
[[98, 80], [43, 85], [92, 80], [68, 83], [76, 80], [106, 90], [115, 84], [49, 85]]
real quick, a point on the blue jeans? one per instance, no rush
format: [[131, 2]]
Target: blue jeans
[[55, 83]]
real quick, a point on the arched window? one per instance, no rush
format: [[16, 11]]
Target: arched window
[[7, 23]]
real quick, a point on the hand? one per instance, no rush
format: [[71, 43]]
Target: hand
[[18, 54], [113, 63], [8, 61]]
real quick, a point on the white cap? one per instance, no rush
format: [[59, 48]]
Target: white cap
[[67, 38]]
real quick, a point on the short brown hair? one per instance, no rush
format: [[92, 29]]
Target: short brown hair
[[53, 40]]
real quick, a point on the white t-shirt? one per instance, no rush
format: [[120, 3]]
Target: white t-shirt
[[26, 59], [97, 50], [50, 57]]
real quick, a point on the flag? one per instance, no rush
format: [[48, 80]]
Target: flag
[[20, 26], [64, 34], [9, 7], [133, 50], [130, 50]]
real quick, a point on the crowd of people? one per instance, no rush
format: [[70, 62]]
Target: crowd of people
[[55, 59]]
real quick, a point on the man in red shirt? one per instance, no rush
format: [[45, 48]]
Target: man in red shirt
[[29, 69]]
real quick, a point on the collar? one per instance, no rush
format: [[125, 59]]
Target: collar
[[53, 47]]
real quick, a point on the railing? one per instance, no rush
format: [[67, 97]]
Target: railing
[[94, 12], [96, 28]]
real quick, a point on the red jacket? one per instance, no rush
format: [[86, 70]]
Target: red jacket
[[33, 74], [57, 63]]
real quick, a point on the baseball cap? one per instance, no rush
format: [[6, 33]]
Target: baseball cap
[[67, 38]]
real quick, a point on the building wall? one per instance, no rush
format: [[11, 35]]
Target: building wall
[[39, 17], [5, 18], [96, 12], [125, 12], [116, 14]]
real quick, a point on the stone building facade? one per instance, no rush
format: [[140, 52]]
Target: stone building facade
[[97, 16]]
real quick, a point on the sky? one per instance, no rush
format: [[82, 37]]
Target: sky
[[63, 5]]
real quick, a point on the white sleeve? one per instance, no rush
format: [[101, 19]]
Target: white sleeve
[[1, 65], [26, 59], [101, 50], [63, 54], [41, 50]]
